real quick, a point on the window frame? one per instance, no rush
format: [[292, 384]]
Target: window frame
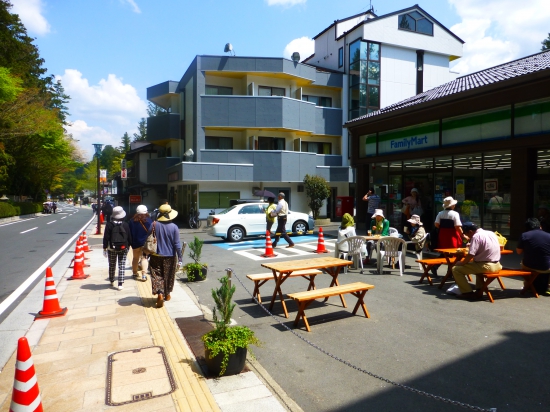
[[360, 81], [218, 88], [206, 138], [271, 88], [306, 97], [320, 144], [272, 142], [341, 57], [416, 20]]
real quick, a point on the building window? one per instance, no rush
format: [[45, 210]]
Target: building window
[[414, 21], [419, 71], [318, 100], [271, 91], [317, 147], [217, 142], [364, 78], [218, 90], [271, 143], [340, 57], [217, 200]]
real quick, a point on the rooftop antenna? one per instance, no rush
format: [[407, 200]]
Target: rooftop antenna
[[229, 49], [371, 9]]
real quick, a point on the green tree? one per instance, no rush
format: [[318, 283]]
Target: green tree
[[317, 190], [10, 86], [546, 43], [124, 143], [154, 110], [141, 135], [58, 101]]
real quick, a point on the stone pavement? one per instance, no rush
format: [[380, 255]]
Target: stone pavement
[[71, 353]]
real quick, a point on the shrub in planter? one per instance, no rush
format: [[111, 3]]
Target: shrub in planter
[[195, 270], [224, 342], [7, 210]]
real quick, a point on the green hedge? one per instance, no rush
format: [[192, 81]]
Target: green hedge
[[7, 210]]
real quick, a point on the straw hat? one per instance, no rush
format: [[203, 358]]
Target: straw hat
[[118, 213], [448, 202], [141, 210], [416, 220], [378, 212], [166, 213]]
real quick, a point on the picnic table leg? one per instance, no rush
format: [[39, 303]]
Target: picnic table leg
[[311, 279], [529, 284], [449, 273], [302, 314], [334, 271], [485, 288], [426, 273], [361, 302], [256, 292], [278, 282], [501, 283]]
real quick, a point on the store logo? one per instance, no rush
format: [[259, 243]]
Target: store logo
[[408, 142]]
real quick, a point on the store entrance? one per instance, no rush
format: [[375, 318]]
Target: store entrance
[[423, 183]]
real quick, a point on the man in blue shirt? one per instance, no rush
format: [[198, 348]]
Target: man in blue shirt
[[535, 246], [373, 203]]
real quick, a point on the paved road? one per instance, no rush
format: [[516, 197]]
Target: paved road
[[26, 244], [486, 355]]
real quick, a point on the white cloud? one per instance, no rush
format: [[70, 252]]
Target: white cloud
[[285, 3], [133, 4], [101, 113], [497, 31], [30, 13], [304, 45]]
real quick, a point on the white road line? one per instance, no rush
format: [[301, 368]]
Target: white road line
[[63, 218], [53, 221], [17, 292], [29, 230]]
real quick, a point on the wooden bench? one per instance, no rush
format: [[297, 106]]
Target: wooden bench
[[528, 276], [427, 265], [357, 289], [260, 278]]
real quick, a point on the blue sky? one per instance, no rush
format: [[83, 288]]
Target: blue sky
[[107, 52]]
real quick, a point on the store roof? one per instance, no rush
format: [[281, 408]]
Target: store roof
[[507, 71]]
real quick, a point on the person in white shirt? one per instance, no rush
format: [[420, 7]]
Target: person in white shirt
[[281, 211]]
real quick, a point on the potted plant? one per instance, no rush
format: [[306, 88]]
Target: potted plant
[[226, 346], [195, 270]]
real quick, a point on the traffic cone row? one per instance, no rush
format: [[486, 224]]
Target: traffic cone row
[[78, 268], [26, 394], [321, 243], [85, 242], [51, 306], [268, 245]]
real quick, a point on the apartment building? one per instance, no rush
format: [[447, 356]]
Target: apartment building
[[235, 124]]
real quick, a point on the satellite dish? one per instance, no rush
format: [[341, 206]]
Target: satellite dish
[[296, 57], [228, 48]]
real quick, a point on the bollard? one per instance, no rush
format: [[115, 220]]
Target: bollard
[[229, 273]]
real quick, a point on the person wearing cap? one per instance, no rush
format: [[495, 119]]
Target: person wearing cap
[[140, 225], [163, 264], [119, 254], [483, 257], [417, 233], [534, 244], [449, 228], [411, 206], [379, 226], [373, 202], [270, 220], [281, 212], [347, 229]]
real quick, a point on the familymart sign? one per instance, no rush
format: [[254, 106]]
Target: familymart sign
[[410, 138]]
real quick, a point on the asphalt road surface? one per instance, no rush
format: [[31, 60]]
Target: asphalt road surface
[[27, 244]]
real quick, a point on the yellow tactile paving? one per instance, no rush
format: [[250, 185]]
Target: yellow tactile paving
[[192, 393]]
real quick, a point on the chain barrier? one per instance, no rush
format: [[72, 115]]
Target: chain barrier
[[371, 374]]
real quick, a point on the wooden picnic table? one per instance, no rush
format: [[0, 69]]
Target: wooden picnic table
[[458, 255], [282, 270]]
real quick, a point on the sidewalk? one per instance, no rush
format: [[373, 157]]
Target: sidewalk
[[71, 353]]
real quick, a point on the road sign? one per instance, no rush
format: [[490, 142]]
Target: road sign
[[124, 174], [135, 198]]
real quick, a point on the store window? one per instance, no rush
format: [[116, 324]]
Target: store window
[[468, 187], [443, 181], [216, 200], [497, 186], [542, 187], [364, 79]]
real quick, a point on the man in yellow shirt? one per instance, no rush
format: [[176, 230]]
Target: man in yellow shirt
[[270, 220]]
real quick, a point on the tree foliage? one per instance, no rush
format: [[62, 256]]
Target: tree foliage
[[317, 190], [141, 135], [546, 43]]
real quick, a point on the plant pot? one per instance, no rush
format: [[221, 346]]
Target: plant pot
[[234, 366], [195, 276]]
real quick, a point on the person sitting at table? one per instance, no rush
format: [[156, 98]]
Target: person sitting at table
[[449, 228], [347, 229], [534, 244], [379, 225], [483, 257], [417, 233]]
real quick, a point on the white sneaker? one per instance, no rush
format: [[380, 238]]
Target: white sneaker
[[144, 278], [120, 287]]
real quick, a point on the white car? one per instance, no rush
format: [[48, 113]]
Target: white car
[[248, 219]]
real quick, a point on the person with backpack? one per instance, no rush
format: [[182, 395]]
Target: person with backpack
[[107, 210], [140, 225], [117, 239]]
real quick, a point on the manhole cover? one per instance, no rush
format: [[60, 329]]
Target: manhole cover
[[138, 374]]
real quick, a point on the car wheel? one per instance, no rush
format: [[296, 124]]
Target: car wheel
[[235, 233], [299, 226]]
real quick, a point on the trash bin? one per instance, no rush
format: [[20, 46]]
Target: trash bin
[[344, 204]]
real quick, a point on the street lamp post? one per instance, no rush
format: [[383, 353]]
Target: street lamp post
[[97, 148]]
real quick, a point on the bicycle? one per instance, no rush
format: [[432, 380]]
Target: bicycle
[[194, 221]]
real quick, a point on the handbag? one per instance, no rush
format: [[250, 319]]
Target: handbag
[[150, 246]]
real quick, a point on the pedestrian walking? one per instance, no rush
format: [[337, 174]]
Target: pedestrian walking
[[140, 225], [164, 264], [107, 210], [270, 220], [54, 207], [281, 211], [117, 239]]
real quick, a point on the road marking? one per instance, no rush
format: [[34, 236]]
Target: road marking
[[63, 218], [17, 292], [30, 229], [53, 221]]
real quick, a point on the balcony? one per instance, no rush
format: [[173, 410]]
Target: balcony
[[163, 127], [157, 173]]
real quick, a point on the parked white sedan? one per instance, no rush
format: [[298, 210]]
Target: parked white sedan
[[248, 219]]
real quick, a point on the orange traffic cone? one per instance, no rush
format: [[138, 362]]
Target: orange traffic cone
[[81, 242], [85, 243], [26, 395], [268, 246], [51, 306], [78, 270], [101, 220], [321, 243]]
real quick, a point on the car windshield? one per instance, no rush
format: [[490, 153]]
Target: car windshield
[[229, 209]]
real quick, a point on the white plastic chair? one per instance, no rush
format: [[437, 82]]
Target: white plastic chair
[[394, 247], [355, 249], [419, 254]]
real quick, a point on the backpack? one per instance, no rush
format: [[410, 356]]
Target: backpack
[[119, 237]]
